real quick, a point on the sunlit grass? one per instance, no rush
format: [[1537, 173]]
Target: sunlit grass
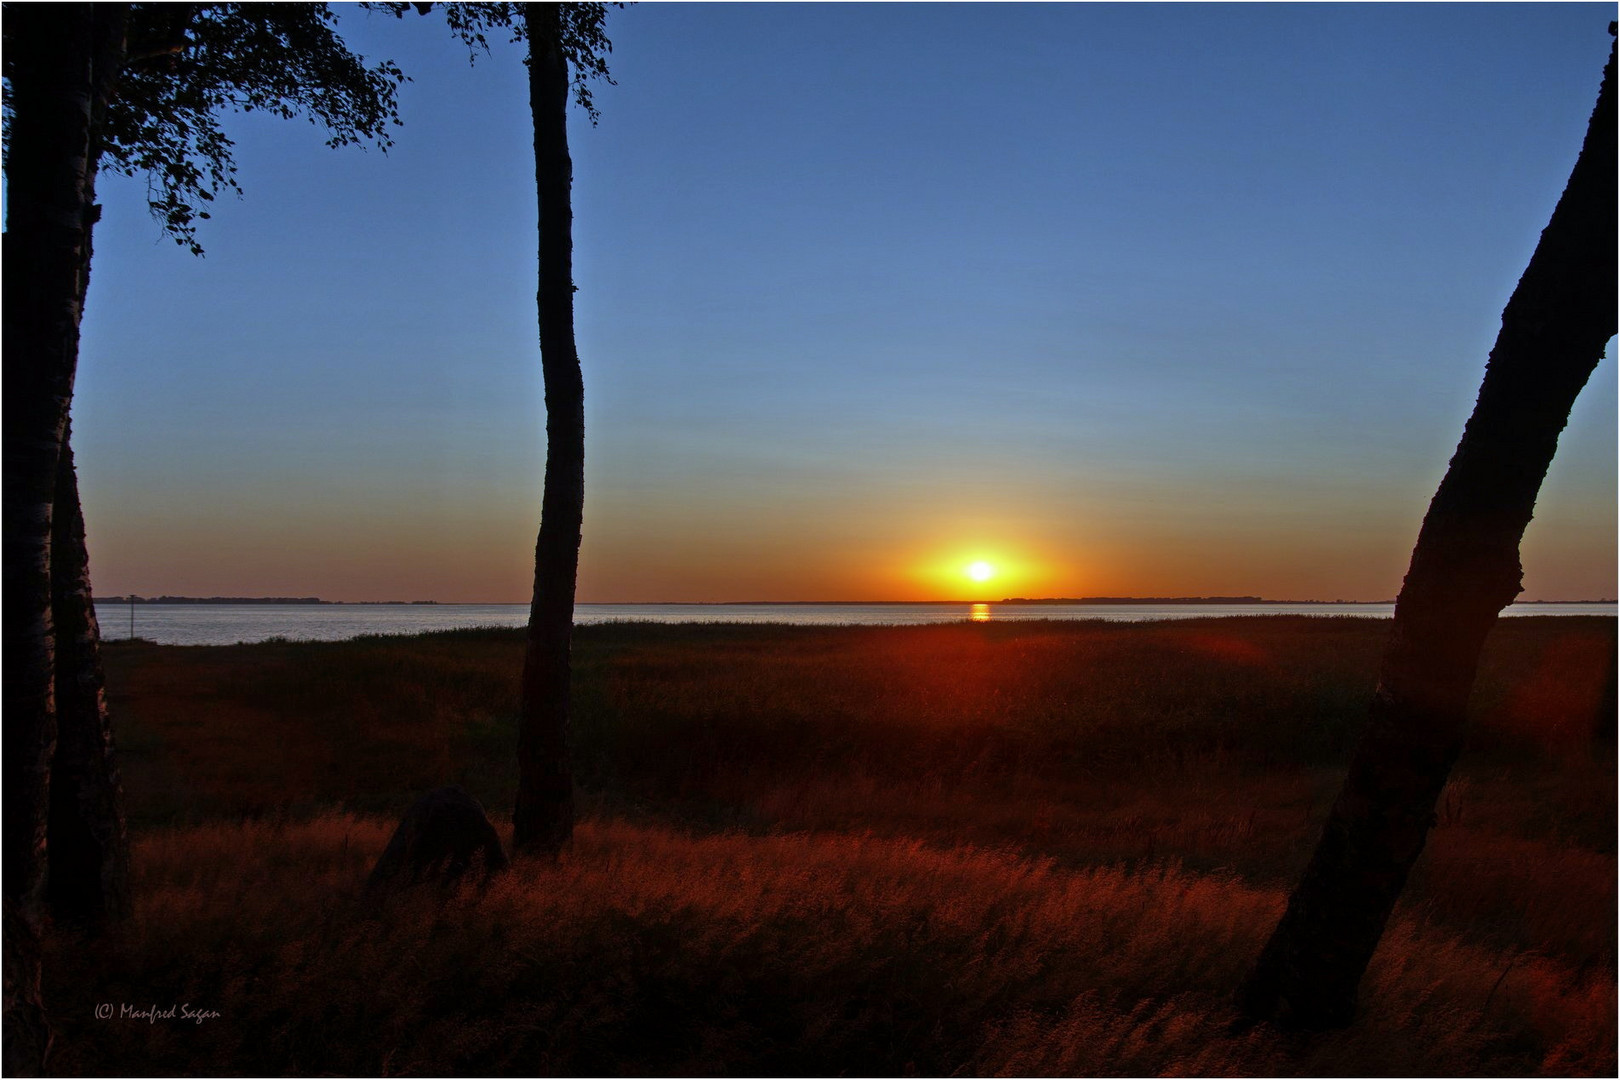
[[651, 950], [1033, 848]]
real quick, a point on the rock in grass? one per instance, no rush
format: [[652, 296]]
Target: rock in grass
[[442, 836]]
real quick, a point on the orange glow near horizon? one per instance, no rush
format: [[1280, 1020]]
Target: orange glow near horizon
[[645, 552], [985, 573]]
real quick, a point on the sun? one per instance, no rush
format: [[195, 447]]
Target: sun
[[973, 569]]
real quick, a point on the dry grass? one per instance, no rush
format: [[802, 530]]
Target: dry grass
[[648, 950], [1031, 848]]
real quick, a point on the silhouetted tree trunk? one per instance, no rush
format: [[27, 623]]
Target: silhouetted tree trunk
[[544, 818], [27, 1035], [1465, 569], [64, 834], [63, 61], [87, 843]]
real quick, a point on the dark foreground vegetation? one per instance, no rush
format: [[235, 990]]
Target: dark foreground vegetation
[[1046, 847]]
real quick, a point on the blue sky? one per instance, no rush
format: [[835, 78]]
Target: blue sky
[[1151, 299]]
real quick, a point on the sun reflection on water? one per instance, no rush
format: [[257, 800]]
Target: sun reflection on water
[[980, 613]]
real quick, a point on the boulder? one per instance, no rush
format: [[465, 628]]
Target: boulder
[[442, 837]]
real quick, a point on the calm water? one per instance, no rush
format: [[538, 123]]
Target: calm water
[[228, 624]]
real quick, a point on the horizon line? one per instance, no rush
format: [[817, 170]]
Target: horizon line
[[1012, 600]]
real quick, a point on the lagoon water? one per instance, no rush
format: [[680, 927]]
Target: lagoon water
[[229, 624]]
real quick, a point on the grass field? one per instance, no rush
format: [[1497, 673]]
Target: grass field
[[1023, 848]]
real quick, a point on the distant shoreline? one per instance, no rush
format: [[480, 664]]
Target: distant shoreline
[[282, 600], [1016, 601], [1019, 601]]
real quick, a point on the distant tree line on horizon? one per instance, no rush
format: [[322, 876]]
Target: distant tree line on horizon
[[134, 599]]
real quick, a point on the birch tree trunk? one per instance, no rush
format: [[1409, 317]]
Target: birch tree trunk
[[544, 817], [64, 62], [1465, 569], [87, 843]]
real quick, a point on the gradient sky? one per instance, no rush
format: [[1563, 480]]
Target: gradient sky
[[1123, 299]]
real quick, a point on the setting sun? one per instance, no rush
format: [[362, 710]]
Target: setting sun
[[970, 567]]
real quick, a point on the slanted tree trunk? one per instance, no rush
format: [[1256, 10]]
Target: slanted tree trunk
[[544, 818], [1465, 569], [86, 841]]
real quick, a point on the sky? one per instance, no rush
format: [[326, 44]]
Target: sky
[[1154, 300]]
